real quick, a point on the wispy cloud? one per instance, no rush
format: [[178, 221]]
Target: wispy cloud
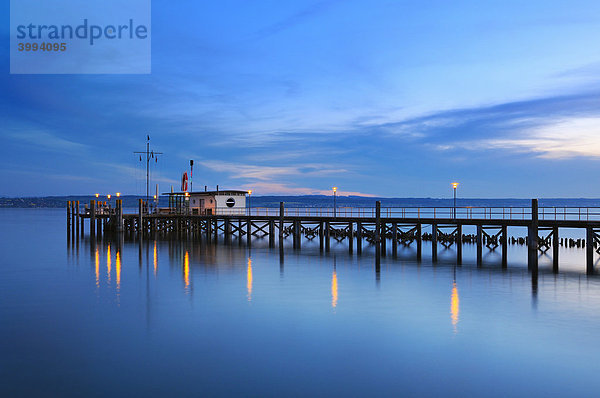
[[42, 139]]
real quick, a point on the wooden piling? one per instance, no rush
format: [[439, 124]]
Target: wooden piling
[[281, 215], [504, 242], [272, 234], [327, 236], [358, 237], [98, 224], [321, 236], [92, 219], [419, 237], [378, 227], [532, 239], [459, 244], [394, 239], [77, 218], [479, 245], [589, 250], [555, 244], [434, 236], [249, 231], [69, 219], [350, 237], [141, 218]]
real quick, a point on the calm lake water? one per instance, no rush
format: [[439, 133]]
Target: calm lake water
[[188, 319]]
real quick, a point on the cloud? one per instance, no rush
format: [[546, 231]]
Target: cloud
[[559, 139], [46, 140], [274, 188]]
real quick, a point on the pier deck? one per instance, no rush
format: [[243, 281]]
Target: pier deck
[[377, 226]]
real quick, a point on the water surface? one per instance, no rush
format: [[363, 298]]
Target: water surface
[[184, 318]]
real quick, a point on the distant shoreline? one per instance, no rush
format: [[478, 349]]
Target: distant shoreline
[[315, 201]]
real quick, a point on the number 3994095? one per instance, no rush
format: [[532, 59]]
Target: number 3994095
[[42, 47]]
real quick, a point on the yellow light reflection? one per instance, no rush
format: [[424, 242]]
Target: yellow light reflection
[[454, 306], [249, 279], [118, 270], [108, 264], [186, 270], [334, 290], [155, 260], [97, 258]]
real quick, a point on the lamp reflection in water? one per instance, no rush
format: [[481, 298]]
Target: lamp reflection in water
[[155, 260], [97, 260], [334, 290], [186, 271], [118, 270], [108, 264], [454, 306], [249, 279]]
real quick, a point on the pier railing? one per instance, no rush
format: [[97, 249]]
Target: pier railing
[[469, 213]]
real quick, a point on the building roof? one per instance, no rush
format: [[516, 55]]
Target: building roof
[[210, 193]]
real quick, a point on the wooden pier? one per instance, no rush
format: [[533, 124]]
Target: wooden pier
[[378, 227]]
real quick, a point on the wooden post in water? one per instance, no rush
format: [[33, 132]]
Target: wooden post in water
[[295, 234], [92, 219], [321, 236], [68, 221], [459, 244], [81, 220], [98, 224], [227, 228], [350, 237], [555, 243], [216, 230], [140, 218], [589, 249], [394, 239], [298, 232], [327, 236], [281, 215], [358, 237], [419, 237], [119, 216], [383, 236], [77, 218], [504, 246], [434, 236], [249, 231], [208, 230], [377, 233], [532, 241], [73, 221], [479, 245], [272, 234]]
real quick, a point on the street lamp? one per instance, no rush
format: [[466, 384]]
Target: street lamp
[[249, 202], [454, 186], [97, 195], [118, 194], [334, 204]]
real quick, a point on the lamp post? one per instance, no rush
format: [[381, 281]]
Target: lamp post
[[454, 186], [249, 202], [334, 200]]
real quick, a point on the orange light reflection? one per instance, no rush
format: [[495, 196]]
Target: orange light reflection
[[249, 279], [155, 260], [108, 264], [454, 306], [334, 290], [186, 270]]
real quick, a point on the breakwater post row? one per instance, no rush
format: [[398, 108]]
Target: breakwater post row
[[356, 231]]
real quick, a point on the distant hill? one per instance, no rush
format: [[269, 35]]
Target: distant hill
[[131, 201]]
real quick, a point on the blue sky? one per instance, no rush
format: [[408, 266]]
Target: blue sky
[[386, 98]]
